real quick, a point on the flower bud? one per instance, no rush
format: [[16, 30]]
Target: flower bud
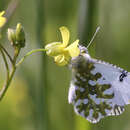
[[11, 36], [20, 35], [17, 36]]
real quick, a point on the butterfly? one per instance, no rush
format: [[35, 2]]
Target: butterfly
[[97, 89]]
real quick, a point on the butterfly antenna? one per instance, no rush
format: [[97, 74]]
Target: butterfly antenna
[[97, 30]]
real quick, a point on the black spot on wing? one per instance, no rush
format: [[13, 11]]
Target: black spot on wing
[[123, 75]]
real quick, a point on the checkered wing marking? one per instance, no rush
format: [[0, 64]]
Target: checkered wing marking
[[112, 74], [96, 90]]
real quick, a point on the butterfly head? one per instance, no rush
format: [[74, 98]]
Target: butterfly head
[[80, 62], [83, 49]]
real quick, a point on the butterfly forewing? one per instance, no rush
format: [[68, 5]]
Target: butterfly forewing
[[98, 89]]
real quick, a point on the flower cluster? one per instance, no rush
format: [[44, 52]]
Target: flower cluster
[[61, 51], [16, 36]]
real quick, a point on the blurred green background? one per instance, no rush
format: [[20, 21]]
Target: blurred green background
[[37, 97]]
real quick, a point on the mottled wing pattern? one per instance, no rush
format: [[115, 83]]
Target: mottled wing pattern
[[98, 89]]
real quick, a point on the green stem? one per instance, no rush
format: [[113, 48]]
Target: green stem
[[16, 53], [10, 58], [7, 83], [9, 76], [28, 54], [6, 63]]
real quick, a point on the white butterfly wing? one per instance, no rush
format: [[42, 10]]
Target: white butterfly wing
[[123, 88], [112, 75], [96, 90]]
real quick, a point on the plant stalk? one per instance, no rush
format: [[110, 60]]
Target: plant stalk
[[28, 54]]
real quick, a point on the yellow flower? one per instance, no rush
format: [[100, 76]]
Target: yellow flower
[[2, 19], [61, 52]]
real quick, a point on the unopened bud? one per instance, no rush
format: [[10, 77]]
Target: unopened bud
[[11, 36], [20, 35]]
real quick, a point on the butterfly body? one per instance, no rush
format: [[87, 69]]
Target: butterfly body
[[98, 89]]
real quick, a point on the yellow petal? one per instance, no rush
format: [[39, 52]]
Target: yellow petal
[[2, 13], [73, 49], [2, 19], [61, 60], [65, 35], [54, 49]]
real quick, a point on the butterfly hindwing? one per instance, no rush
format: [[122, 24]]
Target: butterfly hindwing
[[98, 89]]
